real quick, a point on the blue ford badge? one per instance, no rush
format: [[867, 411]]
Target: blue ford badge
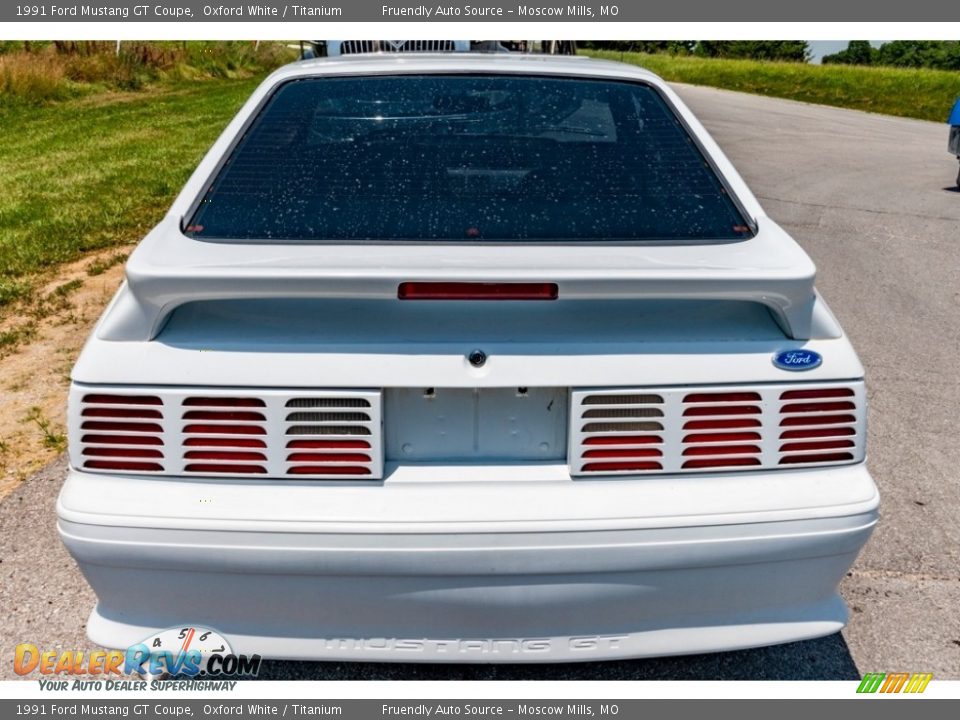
[[797, 360]]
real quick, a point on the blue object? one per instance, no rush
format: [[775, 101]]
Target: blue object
[[955, 113], [797, 360]]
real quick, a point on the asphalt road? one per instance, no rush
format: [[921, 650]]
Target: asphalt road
[[869, 197]]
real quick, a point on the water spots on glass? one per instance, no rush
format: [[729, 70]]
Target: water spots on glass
[[420, 158]]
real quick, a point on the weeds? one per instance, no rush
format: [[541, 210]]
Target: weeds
[[100, 266], [51, 72], [57, 301], [12, 289], [53, 439], [12, 339]]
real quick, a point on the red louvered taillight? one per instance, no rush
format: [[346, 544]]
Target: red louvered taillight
[[119, 432], [679, 430], [818, 425], [243, 433], [332, 437], [621, 432], [721, 411], [216, 434]]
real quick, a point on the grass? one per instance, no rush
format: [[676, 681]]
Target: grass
[[11, 339], [99, 171], [922, 94], [55, 71], [57, 301], [95, 145], [100, 266]]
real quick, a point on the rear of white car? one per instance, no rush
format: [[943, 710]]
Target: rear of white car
[[575, 426]]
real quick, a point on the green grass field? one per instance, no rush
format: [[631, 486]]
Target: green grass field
[[99, 171], [923, 94]]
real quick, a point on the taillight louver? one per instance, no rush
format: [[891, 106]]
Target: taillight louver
[[718, 430], [819, 426], [120, 433], [333, 437], [617, 432], [256, 434], [215, 434], [680, 430]]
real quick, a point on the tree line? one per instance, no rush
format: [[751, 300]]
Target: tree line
[[933, 54], [784, 50]]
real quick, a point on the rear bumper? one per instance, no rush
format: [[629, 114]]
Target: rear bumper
[[554, 587]]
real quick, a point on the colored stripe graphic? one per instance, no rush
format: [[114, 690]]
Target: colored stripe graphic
[[918, 682], [894, 682], [871, 682]]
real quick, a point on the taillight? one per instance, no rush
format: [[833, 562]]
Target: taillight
[[721, 411], [818, 425], [125, 465], [221, 402], [222, 468], [139, 400], [328, 469], [721, 463], [119, 432], [217, 435], [328, 444], [680, 430], [619, 432], [333, 437], [301, 434]]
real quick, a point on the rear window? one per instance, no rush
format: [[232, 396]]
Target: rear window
[[466, 159]]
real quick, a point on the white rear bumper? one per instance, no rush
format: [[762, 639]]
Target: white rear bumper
[[544, 571]]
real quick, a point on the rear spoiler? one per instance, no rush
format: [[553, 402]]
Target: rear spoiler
[[169, 270]]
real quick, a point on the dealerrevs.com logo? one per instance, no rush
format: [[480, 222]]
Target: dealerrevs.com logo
[[184, 652]]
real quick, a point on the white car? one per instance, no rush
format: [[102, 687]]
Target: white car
[[467, 358]]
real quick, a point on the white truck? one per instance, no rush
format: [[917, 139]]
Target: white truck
[[467, 358]]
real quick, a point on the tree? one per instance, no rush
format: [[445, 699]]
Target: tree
[[858, 52], [790, 50], [938, 54], [935, 54], [674, 47]]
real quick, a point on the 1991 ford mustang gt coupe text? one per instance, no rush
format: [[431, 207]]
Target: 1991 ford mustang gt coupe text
[[467, 358]]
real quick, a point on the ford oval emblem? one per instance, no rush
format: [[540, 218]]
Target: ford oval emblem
[[797, 360]]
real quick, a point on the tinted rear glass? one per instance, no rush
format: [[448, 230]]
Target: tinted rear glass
[[466, 159]]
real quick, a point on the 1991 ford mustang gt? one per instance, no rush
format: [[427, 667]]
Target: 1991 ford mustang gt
[[467, 358]]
